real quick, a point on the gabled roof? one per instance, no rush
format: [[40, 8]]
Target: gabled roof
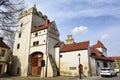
[[115, 57], [41, 27], [95, 51], [103, 58], [75, 46], [99, 45], [2, 44], [59, 44]]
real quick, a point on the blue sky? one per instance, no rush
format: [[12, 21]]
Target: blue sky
[[91, 20]]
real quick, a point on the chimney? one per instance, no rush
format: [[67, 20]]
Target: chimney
[[47, 22], [69, 40]]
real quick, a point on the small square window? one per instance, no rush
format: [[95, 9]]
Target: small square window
[[60, 56]]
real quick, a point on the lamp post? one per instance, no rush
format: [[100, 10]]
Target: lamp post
[[79, 65]]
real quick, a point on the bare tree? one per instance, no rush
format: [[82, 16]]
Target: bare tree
[[9, 10]]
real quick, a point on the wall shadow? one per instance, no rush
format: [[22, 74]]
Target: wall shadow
[[15, 67]]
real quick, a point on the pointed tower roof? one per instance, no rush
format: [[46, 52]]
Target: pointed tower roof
[[99, 45]]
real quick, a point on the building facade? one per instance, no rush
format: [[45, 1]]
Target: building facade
[[4, 55], [34, 41], [37, 40], [99, 58], [80, 58], [116, 63]]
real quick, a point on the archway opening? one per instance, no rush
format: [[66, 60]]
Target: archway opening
[[36, 59]]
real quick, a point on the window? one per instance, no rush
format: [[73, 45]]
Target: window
[[19, 35], [44, 40], [36, 34], [35, 43], [105, 64], [72, 68], [21, 25], [18, 46], [60, 56], [98, 65], [2, 53]]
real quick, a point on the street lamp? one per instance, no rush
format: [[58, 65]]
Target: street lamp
[[79, 65]]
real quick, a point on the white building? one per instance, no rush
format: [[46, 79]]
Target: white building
[[37, 39]]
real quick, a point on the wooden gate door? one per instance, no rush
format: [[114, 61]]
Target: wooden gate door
[[36, 64]]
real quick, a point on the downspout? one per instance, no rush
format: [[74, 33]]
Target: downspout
[[46, 54], [90, 73], [59, 63]]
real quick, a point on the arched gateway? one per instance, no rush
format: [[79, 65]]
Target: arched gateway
[[36, 59]]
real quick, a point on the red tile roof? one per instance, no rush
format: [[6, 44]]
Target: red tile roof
[[98, 45], [75, 46], [96, 52], [104, 58], [41, 27], [59, 44], [115, 57], [99, 55]]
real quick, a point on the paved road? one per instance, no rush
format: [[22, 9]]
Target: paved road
[[60, 78], [103, 78]]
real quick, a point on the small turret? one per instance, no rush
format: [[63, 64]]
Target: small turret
[[69, 40]]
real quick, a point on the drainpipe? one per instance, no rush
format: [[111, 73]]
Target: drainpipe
[[46, 55]]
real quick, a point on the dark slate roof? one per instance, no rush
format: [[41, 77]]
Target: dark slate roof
[[2, 44]]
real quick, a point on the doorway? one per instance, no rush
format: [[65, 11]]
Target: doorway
[[36, 57], [105, 64], [0, 68]]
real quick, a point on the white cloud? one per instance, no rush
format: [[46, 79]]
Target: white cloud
[[105, 37], [57, 9], [79, 30]]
